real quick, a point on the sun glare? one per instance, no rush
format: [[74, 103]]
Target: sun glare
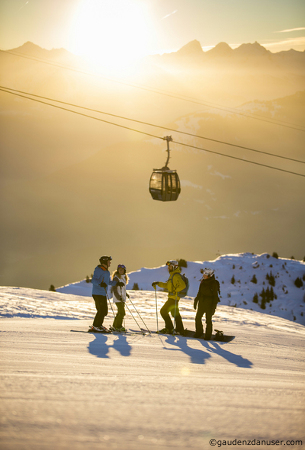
[[111, 33]]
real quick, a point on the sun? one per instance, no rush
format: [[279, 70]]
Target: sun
[[111, 33]]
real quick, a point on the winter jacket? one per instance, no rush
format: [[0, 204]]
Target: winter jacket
[[101, 275], [174, 284], [208, 291], [119, 293]]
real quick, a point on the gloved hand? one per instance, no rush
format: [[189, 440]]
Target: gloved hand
[[127, 295], [120, 298], [120, 284], [103, 285], [195, 303], [154, 284]]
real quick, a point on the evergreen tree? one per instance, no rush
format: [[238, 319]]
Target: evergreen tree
[[135, 287], [52, 288], [255, 298], [263, 301], [270, 278], [233, 280], [254, 279], [298, 283]]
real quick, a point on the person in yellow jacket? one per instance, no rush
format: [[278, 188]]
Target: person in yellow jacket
[[173, 285]]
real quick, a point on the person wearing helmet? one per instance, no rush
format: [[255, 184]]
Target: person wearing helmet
[[119, 297], [206, 299], [100, 282], [173, 285]]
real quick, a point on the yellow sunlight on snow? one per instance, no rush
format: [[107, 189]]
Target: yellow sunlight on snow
[[111, 33]]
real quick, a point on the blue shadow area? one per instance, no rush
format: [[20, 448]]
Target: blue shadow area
[[200, 356], [99, 347], [238, 360], [196, 356]]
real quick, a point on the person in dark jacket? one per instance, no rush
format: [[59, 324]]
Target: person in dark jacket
[[100, 281], [206, 299]]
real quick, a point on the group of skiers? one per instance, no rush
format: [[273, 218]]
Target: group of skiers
[[205, 301]]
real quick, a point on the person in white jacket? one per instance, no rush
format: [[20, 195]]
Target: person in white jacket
[[119, 296]]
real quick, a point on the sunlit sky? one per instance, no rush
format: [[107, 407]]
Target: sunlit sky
[[130, 29]]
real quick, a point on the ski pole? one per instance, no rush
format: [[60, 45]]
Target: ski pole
[[139, 315], [156, 300], [109, 303], [133, 316]]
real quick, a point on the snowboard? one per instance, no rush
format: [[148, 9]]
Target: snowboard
[[219, 336]]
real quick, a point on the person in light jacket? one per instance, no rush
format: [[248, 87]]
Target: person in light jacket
[[173, 285], [100, 282], [119, 297]]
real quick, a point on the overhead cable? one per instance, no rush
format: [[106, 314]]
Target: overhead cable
[[157, 126], [149, 134]]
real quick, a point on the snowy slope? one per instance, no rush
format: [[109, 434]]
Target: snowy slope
[[68, 390], [290, 301]]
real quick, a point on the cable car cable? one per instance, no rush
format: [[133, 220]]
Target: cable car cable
[[158, 126], [80, 114], [239, 159], [152, 135], [160, 92]]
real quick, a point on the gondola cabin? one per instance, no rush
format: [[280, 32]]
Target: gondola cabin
[[164, 185]]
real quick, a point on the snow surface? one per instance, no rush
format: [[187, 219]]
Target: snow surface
[[290, 302], [68, 390]]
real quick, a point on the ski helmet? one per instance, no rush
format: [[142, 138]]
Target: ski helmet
[[104, 259], [121, 266], [173, 263], [207, 271]]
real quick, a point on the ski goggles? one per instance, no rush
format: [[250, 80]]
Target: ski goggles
[[208, 272], [106, 258], [121, 266]]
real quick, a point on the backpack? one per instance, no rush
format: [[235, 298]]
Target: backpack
[[184, 291]]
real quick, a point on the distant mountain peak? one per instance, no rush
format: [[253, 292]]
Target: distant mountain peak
[[30, 49], [252, 49], [221, 49], [191, 49]]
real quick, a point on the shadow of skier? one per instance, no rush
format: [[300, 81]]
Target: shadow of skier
[[196, 356], [238, 360], [99, 347], [122, 346]]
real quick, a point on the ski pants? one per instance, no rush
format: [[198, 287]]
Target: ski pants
[[205, 306], [118, 320], [101, 308], [171, 306]]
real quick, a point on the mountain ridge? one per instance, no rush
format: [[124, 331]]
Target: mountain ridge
[[191, 48]]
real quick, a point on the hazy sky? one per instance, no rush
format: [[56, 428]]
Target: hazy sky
[[133, 28]]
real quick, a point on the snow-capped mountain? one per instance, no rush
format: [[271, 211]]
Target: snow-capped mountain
[[262, 283]]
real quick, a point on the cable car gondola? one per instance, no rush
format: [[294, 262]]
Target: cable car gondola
[[164, 184]]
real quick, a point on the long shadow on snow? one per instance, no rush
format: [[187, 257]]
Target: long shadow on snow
[[196, 356], [199, 356], [238, 360], [100, 348]]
